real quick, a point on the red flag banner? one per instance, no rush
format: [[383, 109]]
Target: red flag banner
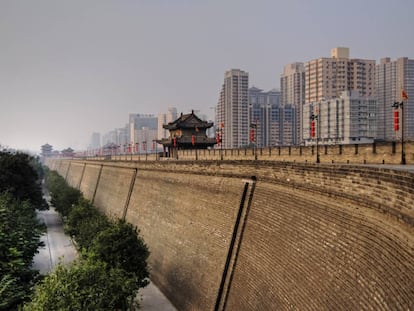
[[404, 95], [396, 121]]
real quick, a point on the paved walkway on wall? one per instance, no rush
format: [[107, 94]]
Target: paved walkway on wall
[[58, 246]]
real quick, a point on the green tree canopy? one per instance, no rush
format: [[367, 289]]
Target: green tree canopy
[[63, 196], [86, 285], [84, 222], [19, 177], [19, 240], [121, 246]]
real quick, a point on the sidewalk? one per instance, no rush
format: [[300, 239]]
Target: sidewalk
[[59, 246]]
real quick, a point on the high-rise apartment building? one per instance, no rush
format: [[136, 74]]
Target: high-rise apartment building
[[165, 118], [349, 119], [95, 141], [292, 88], [274, 123], [391, 78], [327, 78], [258, 115], [232, 113], [137, 122], [118, 136]]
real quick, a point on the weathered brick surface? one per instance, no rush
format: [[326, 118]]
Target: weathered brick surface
[[317, 237], [74, 174], [89, 180], [302, 251], [62, 167], [187, 222], [112, 190]]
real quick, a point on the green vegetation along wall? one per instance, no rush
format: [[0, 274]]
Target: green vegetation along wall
[[265, 235]]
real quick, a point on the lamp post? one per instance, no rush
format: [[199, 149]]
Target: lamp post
[[219, 139], [154, 149], [144, 146], [253, 137], [314, 117], [396, 106]]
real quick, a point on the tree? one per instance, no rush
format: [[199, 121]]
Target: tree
[[121, 246], [20, 195], [86, 285], [20, 178], [19, 240], [84, 222], [63, 196]]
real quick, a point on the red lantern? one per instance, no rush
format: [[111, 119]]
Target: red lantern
[[252, 135], [313, 128], [175, 142], [193, 140], [396, 121], [218, 138]]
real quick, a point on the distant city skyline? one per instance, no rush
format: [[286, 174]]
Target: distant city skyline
[[70, 69]]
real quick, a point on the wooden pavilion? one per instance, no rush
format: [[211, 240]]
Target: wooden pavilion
[[187, 132]]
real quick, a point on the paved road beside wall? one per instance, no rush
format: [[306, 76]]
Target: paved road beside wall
[[58, 246]]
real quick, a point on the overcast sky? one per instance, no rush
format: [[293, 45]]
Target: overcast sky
[[71, 67]]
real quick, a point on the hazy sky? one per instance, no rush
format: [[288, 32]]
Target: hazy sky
[[71, 67]]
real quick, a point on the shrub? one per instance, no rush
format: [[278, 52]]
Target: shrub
[[85, 285], [84, 222], [120, 245]]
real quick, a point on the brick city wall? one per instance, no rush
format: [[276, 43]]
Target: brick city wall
[[302, 236], [378, 153]]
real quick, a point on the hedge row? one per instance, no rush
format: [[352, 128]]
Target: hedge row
[[113, 261]]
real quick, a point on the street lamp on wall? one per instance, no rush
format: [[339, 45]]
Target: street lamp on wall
[[397, 106], [253, 137], [314, 118], [219, 138]]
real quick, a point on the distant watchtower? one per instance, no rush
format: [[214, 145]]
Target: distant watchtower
[[46, 150], [187, 132]]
